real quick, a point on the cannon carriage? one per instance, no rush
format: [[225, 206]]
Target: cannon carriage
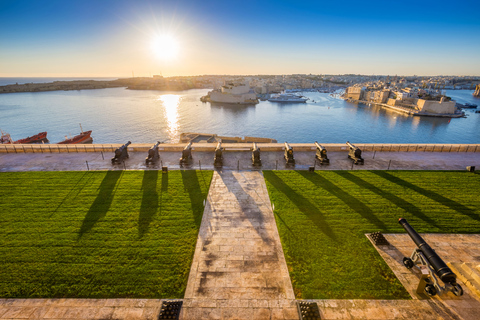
[[186, 158], [121, 153], [288, 155], [355, 154], [153, 154], [321, 154], [256, 161], [218, 159], [438, 270]]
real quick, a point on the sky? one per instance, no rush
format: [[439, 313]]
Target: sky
[[114, 38]]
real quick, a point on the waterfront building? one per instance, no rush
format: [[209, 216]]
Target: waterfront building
[[233, 93]]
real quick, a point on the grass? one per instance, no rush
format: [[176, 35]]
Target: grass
[[322, 218], [99, 234]]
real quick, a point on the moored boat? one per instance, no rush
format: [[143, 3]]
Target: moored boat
[[38, 138], [287, 97], [83, 137]]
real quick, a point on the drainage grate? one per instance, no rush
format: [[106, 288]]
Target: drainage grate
[[170, 309], [378, 238], [308, 310]]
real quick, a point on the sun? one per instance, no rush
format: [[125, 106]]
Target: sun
[[165, 47]]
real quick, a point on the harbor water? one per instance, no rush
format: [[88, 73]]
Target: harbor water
[[118, 115]]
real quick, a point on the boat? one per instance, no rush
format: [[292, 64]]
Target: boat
[[83, 137], [470, 105], [38, 138], [287, 97]]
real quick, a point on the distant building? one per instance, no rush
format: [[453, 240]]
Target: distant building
[[354, 93], [232, 93]]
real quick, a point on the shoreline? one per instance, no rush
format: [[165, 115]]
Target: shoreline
[[407, 110]]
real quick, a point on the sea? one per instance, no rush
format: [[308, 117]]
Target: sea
[[118, 115]]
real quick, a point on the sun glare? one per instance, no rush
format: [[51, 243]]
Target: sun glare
[[165, 47]]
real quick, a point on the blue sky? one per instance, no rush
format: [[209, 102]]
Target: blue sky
[[106, 38]]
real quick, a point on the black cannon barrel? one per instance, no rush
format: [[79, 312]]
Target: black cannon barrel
[[321, 148], [256, 161], [122, 148], [289, 154], [440, 267], [187, 153], [125, 145], [152, 154], [217, 160], [219, 147]]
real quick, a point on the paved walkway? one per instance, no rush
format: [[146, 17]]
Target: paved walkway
[[239, 270], [53, 309]]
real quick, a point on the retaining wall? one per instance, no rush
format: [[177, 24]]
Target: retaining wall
[[265, 147]]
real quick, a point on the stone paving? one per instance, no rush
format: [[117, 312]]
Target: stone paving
[[53, 309], [239, 270]]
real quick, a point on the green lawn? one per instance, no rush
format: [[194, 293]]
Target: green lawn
[[322, 217], [99, 234]]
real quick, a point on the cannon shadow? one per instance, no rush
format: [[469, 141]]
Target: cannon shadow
[[460, 208], [192, 186], [355, 204], [399, 202], [100, 206], [150, 201], [302, 203]]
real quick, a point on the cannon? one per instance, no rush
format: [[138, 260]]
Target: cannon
[[289, 159], [218, 159], [424, 255], [153, 154], [355, 154], [186, 154], [121, 153], [321, 154], [256, 161]]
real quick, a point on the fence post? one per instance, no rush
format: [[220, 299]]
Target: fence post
[[88, 169], [389, 162], [102, 155]]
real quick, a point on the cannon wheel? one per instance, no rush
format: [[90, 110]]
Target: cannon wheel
[[408, 263], [457, 290], [430, 290]]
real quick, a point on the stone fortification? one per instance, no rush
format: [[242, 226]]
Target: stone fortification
[[210, 147]]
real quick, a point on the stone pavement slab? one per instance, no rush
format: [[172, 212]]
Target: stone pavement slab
[[52, 309], [239, 270]]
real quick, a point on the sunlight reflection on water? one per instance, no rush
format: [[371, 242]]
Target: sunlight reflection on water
[[170, 103]]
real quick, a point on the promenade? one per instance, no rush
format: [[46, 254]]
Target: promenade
[[239, 270]]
